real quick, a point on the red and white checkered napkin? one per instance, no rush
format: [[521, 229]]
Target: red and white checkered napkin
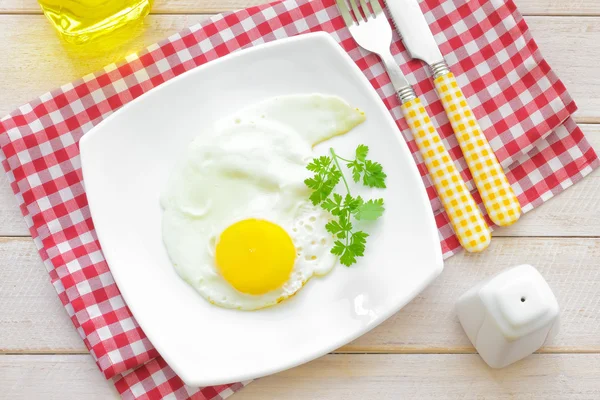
[[520, 103]]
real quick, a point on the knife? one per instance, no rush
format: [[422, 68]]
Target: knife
[[498, 197]]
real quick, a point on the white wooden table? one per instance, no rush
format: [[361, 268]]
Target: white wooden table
[[419, 353]]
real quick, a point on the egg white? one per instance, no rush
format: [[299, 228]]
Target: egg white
[[253, 165]]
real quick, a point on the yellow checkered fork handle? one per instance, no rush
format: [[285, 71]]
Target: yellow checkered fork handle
[[466, 219], [498, 197]]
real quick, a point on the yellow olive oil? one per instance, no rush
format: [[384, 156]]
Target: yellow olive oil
[[79, 21]]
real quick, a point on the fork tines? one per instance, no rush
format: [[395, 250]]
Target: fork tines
[[358, 14]]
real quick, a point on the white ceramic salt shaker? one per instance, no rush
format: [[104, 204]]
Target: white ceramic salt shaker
[[509, 316]]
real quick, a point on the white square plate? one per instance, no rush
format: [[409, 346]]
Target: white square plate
[[127, 160]]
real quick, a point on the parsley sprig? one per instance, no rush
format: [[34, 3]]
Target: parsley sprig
[[328, 173]]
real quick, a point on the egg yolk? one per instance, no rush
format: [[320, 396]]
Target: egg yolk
[[255, 256]]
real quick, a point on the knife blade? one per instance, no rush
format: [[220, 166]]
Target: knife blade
[[498, 197], [414, 30]]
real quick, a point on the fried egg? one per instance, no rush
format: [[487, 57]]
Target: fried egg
[[237, 222]]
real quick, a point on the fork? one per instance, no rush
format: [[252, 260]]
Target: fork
[[371, 30]]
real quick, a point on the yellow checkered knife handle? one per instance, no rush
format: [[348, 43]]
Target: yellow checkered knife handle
[[498, 197], [466, 219]]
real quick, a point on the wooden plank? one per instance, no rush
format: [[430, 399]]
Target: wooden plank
[[53, 378], [11, 219], [572, 213], [33, 320], [536, 7], [38, 65], [558, 7], [435, 376], [340, 376]]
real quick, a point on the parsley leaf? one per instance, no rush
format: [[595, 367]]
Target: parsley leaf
[[358, 242], [348, 257], [349, 252], [335, 229], [361, 152], [334, 206], [371, 172], [370, 211], [325, 179], [374, 175], [352, 204]]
